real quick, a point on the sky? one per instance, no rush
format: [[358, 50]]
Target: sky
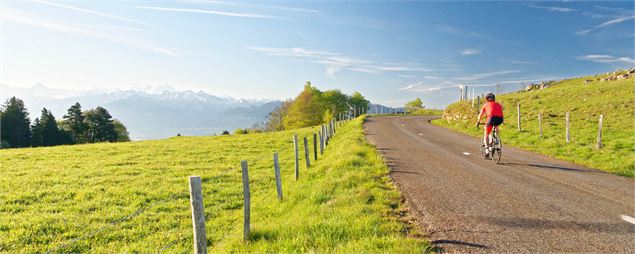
[[392, 52]]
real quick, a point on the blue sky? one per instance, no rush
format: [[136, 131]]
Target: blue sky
[[391, 52]]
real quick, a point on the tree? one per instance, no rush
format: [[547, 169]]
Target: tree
[[413, 106], [122, 132], [305, 110], [274, 121], [100, 126], [16, 125], [76, 125], [357, 101], [225, 132], [335, 101]]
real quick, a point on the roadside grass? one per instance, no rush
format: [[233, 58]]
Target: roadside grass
[[614, 99], [426, 112], [133, 197]]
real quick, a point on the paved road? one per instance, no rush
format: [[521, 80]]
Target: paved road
[[529, 203]]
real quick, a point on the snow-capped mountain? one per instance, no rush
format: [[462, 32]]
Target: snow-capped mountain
[[151, 112]]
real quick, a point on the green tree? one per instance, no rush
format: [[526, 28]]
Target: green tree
[[75, 123], [413, 106], [122, 132], [357, 101], [335, 101], [100, 126], [16, 125], [306, 109]]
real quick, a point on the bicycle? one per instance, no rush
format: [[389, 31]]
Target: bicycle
[[497, 146]]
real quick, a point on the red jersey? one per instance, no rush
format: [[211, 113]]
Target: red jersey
[[492, 108]]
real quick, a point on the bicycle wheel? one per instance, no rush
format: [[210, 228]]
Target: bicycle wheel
[[483, 152], [497, 151]]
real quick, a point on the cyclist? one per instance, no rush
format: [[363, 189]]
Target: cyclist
[[494, 112]]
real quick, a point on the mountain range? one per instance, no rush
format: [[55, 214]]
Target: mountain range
[[151, 112]]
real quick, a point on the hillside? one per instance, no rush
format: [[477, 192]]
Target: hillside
[[602, 94], [133, 197]]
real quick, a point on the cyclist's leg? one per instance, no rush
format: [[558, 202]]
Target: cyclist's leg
[[488, 130]]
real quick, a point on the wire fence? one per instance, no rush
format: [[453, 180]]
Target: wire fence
[[326, 133]]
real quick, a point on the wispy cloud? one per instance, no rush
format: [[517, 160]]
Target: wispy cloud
[[606, 59], [469, 52], [335, 62], [92, 12], [516, 61], [458, 31], [211, 12], [485, 75], [606, 24], [553, 8], [16, 16], [263, 6]]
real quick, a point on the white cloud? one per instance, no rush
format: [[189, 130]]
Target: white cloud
[[91, 12], [553, 8], [336, 62], [411, 86], [16, 16], [606, 24], [210, 12], [264, 6], [458, 31], [469, 52], [606, 59], [480, 76]]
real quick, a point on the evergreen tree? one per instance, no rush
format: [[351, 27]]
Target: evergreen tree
[[45, 131], [37, 133], [15, 130], [75, 123], [100, 126]]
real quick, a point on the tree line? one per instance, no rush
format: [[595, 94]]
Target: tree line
[[77, 127], [312, 107]]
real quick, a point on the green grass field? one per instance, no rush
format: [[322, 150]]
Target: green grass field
[[614, 99], [133, 197]]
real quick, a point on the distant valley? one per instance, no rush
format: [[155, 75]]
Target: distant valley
[[152, 112]]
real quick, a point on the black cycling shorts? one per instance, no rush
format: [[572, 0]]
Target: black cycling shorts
[[494, 121]]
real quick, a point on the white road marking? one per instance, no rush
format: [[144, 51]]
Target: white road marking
[[403, 125], [420, 134], [466, 153], [628, 219]]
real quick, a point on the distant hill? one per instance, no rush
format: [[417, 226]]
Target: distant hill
[[609, 94], [151, 113]]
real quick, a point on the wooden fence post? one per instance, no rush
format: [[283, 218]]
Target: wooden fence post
[[540, 123], [518, 111], [567, 136], [246, 200], [297, 162], [276, 169], [321, 142], [198, 215], [600, 132], [315, 145], [306, 153]]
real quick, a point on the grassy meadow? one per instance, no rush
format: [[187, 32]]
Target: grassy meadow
[[133, 197], [614, 99]]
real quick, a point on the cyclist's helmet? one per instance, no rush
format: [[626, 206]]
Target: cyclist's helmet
[[490, 97]]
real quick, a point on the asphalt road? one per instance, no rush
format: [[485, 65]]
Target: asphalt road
[[528, 203]]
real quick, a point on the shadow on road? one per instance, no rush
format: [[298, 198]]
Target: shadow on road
[[438, 244], [542, 224], [548, 167]]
